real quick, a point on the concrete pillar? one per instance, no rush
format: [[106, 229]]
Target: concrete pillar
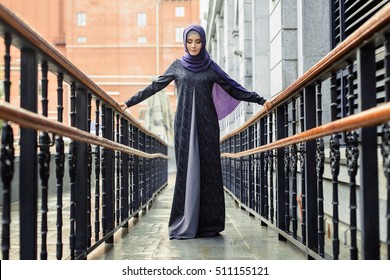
[[220, 41], [283, 44], [313, 32], [245, 42], [313, 35], [261, 49], [228, 23]]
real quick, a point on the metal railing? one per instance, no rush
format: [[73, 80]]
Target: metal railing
[[322, 180], [114, 167]]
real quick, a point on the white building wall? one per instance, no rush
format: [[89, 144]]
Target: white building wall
[[266, 45]]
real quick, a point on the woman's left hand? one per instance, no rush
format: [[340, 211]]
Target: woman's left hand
[[267, 105]]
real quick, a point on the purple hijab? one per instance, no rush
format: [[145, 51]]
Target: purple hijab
[[223, 102]]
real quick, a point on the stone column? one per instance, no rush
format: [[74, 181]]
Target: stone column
[[313, 41], [219, 32], [261, 49], [283, 44], [228, 18]]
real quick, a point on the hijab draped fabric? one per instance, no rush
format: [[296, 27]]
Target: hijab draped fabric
[[223, 102]]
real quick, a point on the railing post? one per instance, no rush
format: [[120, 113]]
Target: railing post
[[282, 213], [369, 158], [262, 171], [117, 170], [28, 188], [89, 168], [82, 173], [44, 164], [125, 171], [108, 186], [386, 141], [60, 167], [135, 190], [97, 172], [293, 170], [334, 156], [7, 157], [310, 170]]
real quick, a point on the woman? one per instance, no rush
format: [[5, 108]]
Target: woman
[[198, 207]]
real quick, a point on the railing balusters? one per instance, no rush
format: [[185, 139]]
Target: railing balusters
[[125, 171], [7, 157], [302, 157], [361, 132], [352, 155], [117, 176], [386, 141], [266, 164], [97, 172], [320, 158], [72, 174], [271, 169], [104, 173], [44, 164], [335, 169], [109, 182], [131, 169], [286, 166], [136, 172], [60, 167], [89, 168], [251, 161], [293, 169]]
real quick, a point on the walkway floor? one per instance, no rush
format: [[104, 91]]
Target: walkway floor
[[243, 238]]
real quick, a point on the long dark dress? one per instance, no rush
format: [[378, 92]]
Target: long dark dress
[[198, 207]]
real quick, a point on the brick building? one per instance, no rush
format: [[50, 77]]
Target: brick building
[[120, 45]]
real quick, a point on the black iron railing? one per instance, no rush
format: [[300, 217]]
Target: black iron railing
[[323, 182], [94, 174]]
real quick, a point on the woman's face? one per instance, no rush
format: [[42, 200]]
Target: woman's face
[[194, 44]]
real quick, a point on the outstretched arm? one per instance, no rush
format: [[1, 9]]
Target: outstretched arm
[[241, 94], [160, 83]]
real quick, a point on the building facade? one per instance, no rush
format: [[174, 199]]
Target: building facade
[[121, 45], [266, 45]]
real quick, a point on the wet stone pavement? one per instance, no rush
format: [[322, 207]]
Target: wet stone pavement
[[244, 238]]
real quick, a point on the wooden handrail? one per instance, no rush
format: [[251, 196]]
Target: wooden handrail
[[30, 38], [327, 64], [370, 117], [27, 119]]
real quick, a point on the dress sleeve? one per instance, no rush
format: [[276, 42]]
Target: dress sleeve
[[157, 85], [240, 94]]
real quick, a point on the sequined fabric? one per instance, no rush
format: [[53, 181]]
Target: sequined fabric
[[211, 202]]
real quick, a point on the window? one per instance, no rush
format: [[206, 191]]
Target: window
[[113, 93], [179, 34], [141, 39], [81, 19], [81, 39], [141, 19], [179, 11]]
